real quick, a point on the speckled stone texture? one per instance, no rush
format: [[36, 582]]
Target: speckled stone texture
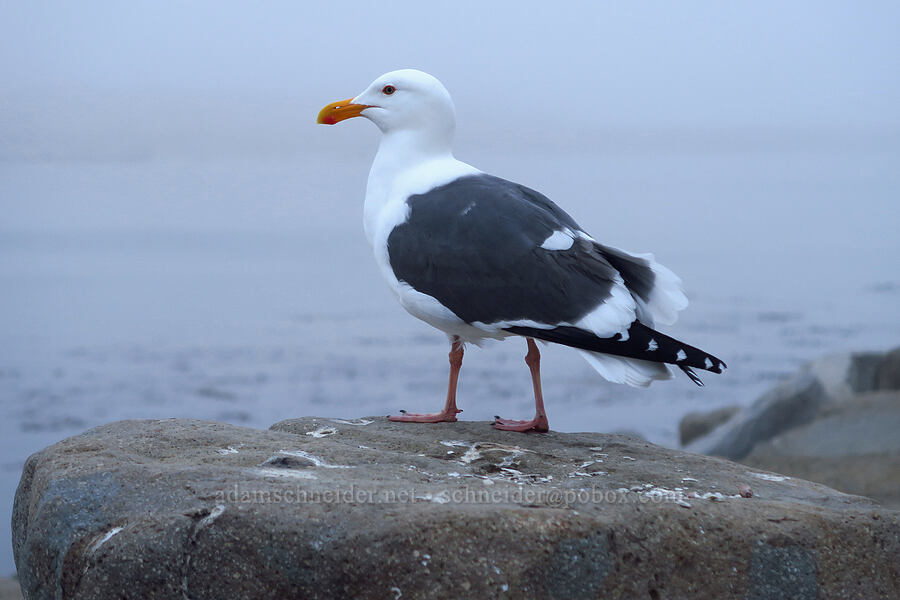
[[328, 508]]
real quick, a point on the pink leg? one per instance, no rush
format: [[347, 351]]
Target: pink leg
[[539, 422], [450, 410]]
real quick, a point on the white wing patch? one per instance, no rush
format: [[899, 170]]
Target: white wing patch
[[559, 240], [680, 356], [614, 315], [652, 345]]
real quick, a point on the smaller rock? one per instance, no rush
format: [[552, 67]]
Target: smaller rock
[[844, 375], [697, 424], [818, 387], [887, 375], [791, 404], [10, 589]]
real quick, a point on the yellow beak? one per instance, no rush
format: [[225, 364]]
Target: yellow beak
[[340, 110]]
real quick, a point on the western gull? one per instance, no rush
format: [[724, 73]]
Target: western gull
[[479, 257]]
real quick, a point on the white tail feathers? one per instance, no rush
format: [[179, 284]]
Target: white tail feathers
[[667, 298], [633, 371]]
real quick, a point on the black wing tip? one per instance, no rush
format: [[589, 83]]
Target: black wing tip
[[694, 377], [718, 366], [641, 343]]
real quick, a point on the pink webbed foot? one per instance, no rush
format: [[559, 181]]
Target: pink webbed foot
[[449, 412], [539, 424], [444, 416]]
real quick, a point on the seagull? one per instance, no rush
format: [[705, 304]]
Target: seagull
[[479, 257]]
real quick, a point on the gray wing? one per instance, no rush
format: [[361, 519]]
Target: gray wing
[[474, 245]]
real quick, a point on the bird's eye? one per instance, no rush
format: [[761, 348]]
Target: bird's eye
[[388, 90]]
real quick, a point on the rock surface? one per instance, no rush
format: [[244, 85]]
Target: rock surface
[[328, 508]]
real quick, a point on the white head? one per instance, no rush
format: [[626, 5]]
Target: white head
[[400, 101]]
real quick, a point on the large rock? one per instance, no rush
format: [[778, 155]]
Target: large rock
[[853, 446], [844, 375], [326, 508]]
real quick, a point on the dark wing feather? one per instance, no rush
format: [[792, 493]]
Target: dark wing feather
[[474, 245]]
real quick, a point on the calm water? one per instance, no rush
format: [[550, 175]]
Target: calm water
[[244, 291]]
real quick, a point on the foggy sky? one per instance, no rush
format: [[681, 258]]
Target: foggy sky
[[658, 64], [101, 82]]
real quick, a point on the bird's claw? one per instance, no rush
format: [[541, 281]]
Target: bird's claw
[[539, 423], [445, 416]]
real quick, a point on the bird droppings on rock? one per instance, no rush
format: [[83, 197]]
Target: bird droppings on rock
[[520, 478], [322, 432], [353, 421], [587, 469], [476, 451], [678, 495], [315, 460], [214, 514], [103, 539], [437, 498], [283, 473], [767, 476]]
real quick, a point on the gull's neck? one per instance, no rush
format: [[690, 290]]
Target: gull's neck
[[408, 162], [404, 149]]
